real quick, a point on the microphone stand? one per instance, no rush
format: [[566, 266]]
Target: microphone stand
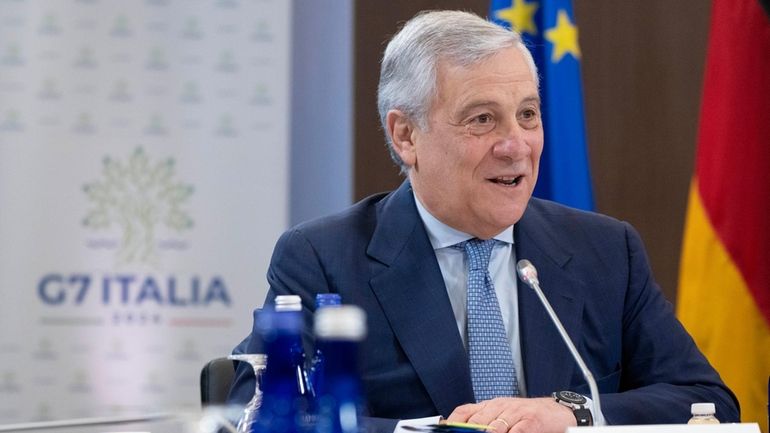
[[528, 274]]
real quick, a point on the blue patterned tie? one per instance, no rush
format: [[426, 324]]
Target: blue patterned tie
[[492, 371]]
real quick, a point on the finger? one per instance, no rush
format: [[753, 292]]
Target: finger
[[490, 411], [512, 417], [499, 425], [515, 412], [534, 415], [527, 425], [462, 413], [521, 427]]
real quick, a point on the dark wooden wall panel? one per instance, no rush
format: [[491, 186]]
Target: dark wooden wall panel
[[375, 23], [642, 73]]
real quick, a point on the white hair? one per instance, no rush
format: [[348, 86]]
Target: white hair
[[408, 71]]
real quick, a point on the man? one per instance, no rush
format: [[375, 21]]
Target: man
[[458, 99]]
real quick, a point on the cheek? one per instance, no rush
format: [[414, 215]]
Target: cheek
[[536, 153], [471, 151], [453, 154], [537, 143]]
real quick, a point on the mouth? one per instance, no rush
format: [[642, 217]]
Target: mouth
[[506, 180]]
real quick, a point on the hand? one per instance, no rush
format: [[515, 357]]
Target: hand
[[515, 415]]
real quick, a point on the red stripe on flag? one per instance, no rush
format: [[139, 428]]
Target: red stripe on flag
[[733, 161]]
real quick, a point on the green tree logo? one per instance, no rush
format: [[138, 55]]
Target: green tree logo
[[138, 195]]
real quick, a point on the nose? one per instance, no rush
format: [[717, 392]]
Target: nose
[[512, 142]]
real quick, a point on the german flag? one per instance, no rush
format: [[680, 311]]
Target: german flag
[[724, 281]]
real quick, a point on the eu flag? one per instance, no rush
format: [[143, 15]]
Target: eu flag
[[549, 30]]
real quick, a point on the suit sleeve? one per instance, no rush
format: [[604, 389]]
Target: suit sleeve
[[663, 371]]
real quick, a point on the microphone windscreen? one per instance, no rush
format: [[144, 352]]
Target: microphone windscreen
[[527, 272]]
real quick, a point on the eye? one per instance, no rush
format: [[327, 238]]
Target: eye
[[483, 118], [481, 124], [529, 118]]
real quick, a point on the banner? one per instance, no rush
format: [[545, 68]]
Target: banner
[[724, 281], [143, 183]]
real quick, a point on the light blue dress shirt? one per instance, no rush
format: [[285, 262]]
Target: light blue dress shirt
[[454, 269]]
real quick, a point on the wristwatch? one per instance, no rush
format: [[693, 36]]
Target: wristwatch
[[578, 404]]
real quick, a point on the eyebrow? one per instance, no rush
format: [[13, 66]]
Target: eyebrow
[[476, 104], [487, 102]]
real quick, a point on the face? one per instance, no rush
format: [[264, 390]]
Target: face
[[474, 167]]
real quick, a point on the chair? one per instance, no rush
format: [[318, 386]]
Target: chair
[[216, 377]]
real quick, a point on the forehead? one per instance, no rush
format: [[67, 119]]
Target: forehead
[[503, 75]]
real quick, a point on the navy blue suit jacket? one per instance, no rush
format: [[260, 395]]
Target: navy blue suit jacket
[[593, 269]]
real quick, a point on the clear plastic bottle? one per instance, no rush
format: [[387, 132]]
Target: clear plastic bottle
[[703, 413]]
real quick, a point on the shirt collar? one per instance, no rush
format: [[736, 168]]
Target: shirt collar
[[443, 236]]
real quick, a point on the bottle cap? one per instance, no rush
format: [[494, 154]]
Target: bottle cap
[[703, 409], [327, 300], [288, 303], [346, 322]]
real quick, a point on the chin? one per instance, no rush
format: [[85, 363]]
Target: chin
[[511, 215], [501, 222]]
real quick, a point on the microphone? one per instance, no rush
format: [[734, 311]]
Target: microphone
[[528, 274]]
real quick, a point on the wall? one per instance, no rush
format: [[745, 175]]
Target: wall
[[321, 178]]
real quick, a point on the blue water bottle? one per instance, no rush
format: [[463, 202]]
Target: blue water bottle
[[293, 303], [315, 371], [339, 397], [284, 387]]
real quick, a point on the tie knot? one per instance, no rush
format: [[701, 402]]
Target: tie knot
[[478, 253]]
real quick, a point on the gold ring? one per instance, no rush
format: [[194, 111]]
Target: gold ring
[[507, 426]]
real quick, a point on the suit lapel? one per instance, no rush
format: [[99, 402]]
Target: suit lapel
[[548, 364], [412, 294]]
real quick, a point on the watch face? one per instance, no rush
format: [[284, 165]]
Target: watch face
[[571, 397]]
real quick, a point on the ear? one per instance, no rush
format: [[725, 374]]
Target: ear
[[401, 131]]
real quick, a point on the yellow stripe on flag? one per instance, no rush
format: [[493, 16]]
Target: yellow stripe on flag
[[716, 307]]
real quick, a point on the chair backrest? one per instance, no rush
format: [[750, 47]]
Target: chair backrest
[[216, 377]]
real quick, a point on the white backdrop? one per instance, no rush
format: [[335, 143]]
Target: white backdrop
[[143, 182]]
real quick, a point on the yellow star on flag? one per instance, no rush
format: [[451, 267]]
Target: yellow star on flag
[[564, 37], [521, 16]]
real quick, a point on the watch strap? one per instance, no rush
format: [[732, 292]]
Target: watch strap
[[583, 416]]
